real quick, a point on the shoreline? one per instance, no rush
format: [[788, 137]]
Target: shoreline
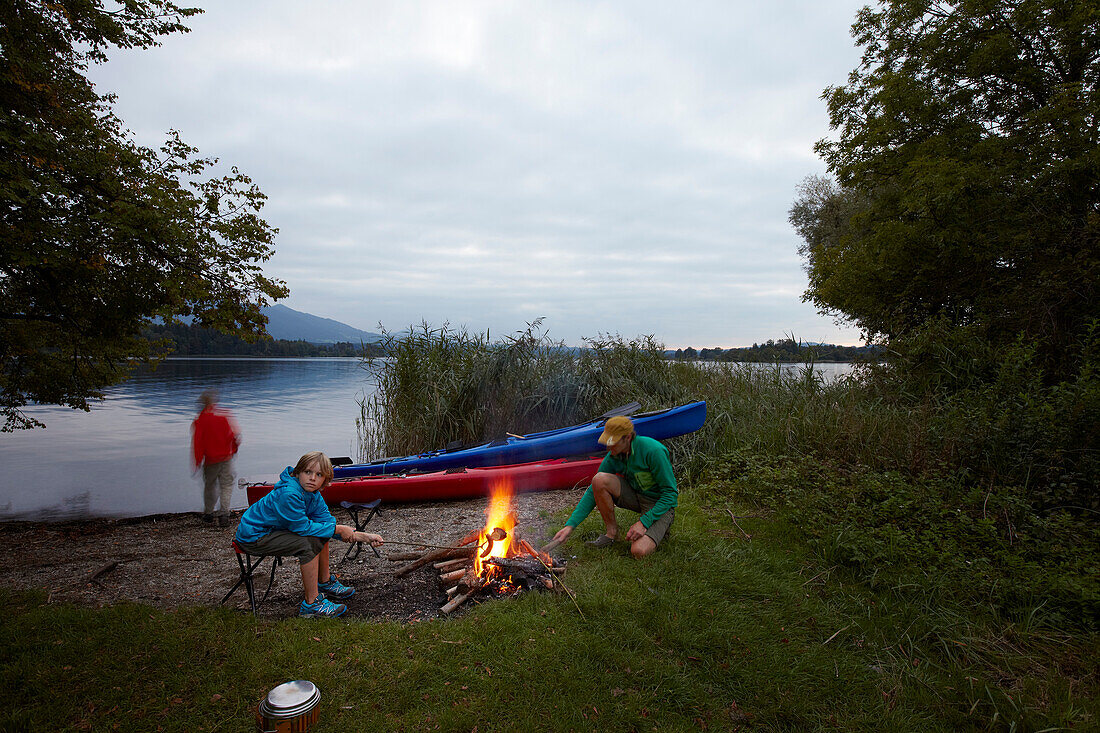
[[175, 560]]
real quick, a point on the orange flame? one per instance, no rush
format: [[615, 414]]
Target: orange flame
[[498, 514]]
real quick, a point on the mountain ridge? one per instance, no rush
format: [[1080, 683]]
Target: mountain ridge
[[293, 325]]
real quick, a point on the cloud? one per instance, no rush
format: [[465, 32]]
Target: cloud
[[618, 167]]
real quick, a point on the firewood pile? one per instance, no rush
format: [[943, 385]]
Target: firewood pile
[[471, 568]]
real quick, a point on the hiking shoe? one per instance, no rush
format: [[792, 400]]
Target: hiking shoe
[[333, 587], [321, 608], [208, 518], [223, 520]]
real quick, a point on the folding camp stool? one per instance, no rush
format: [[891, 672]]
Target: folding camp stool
[[354, 509], [248, 566]]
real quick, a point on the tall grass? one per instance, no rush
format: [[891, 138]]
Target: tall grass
[[439, 386]]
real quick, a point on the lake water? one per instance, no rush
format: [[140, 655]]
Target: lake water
[[130, 456]]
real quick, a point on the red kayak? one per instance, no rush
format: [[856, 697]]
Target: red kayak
[[455, 483]]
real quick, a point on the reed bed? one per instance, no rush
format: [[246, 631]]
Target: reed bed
[[441, 386]]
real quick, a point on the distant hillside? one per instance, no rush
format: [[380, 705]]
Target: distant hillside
[[784, 350], [291, 325]]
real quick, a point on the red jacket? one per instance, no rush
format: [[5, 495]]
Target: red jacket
[[214, 437]]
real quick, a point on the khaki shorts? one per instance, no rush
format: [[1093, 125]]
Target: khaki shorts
[[284, 543], [634, 500]]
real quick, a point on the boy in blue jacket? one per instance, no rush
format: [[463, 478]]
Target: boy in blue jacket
[[293, 520]]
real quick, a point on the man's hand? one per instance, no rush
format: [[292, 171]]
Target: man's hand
[[636, 532], [561, 536]]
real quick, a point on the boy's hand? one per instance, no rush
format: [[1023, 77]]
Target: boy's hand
[[346, 533], [374, 539]]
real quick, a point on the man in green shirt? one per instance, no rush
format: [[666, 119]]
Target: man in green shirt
[[636, 475]]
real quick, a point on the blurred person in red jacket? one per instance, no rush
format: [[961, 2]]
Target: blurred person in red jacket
[[214, 441]]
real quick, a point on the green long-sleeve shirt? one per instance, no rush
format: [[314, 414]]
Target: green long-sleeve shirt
[[649, 471]]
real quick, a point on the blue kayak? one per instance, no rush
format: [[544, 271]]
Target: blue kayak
[[576, 440]]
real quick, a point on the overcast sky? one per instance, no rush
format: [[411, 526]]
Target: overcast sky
[[619, 167]]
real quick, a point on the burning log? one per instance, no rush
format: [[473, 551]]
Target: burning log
[[519, 564], [503, 564], [433, 556]]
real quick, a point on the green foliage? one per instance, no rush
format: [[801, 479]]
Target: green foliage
[[991, 413], [972, 546], [101, 236], [968, 175]]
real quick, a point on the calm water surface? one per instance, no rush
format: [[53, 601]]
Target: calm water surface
[[129, 456]]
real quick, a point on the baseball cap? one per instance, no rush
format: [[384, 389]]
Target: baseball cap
[[615, 429]]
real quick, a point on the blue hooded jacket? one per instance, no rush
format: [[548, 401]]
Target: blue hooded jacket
[[288, 506]]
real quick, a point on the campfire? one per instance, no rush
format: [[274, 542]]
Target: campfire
[[493, 561]]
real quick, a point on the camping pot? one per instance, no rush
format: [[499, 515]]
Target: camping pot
[[289, 708]]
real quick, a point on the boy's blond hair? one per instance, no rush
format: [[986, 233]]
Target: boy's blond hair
[[305, 461]]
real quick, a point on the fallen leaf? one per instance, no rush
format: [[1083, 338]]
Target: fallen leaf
[[215, 697]]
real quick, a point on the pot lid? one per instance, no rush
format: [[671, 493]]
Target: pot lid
[[291, 698]]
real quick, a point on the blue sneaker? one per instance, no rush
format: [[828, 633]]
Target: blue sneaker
[[321, 608], [335, 589]]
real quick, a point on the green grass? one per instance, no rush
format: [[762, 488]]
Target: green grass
[[715, 632]]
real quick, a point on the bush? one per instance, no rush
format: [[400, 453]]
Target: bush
[[978, 547]]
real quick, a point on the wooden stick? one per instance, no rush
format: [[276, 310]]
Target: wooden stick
[[103, 570], [404, 556], [451, 591], [448, 565], [734, 520], [433, 556], [453, 575], [456, 602]]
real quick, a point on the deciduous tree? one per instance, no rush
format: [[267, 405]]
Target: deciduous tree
[[967, 174], [102, 236]]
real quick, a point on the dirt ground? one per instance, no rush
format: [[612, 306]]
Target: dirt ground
[[174, 560]]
